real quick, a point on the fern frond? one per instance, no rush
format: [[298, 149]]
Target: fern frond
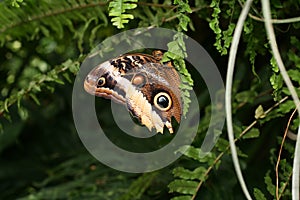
[[182, 198], [34, 87], [183, 8], [187, 181], [80, 178], [183, 186], [186, 174], [118, 11], [223, 38], [47, 18], [259, 195], [177, 53]]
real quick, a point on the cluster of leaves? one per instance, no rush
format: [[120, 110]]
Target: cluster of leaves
[[43, 43]]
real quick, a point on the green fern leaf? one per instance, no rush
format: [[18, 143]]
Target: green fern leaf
[[197, 173], [294, 75], [276, 81], [183, 186], [291, 54], [259, 195], [270, 185], [182, 198], [253, 133], [48, 18], [197, 154], [183, 8], [286, 107], [223, 38], [118, 9]]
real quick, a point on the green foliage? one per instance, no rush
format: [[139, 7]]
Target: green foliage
[[284, 176], [49, 18], [183, 186], [223, 38], [84, 180], [270, 185], [197, 173], [183, 9], [188, 182], [259, 195], [118, 9], [37, 83], [16, 3], [42, 45], [177, 53]]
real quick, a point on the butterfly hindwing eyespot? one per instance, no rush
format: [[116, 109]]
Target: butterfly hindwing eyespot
[[162, 101]]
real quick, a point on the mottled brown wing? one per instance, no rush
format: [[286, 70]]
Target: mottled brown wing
[[148, 88]]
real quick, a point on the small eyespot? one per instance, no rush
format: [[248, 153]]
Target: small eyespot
[[101, 82], [157, 54], [138, 80], [162, 101]]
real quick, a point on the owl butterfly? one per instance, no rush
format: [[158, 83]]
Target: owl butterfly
[[148, 88]]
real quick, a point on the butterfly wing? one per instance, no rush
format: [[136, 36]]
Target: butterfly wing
[[148, 88]]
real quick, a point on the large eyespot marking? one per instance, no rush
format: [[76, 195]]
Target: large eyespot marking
[[101, 82], [162, 101]]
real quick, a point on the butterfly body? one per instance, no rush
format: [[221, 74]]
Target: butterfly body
[[148, 88]]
